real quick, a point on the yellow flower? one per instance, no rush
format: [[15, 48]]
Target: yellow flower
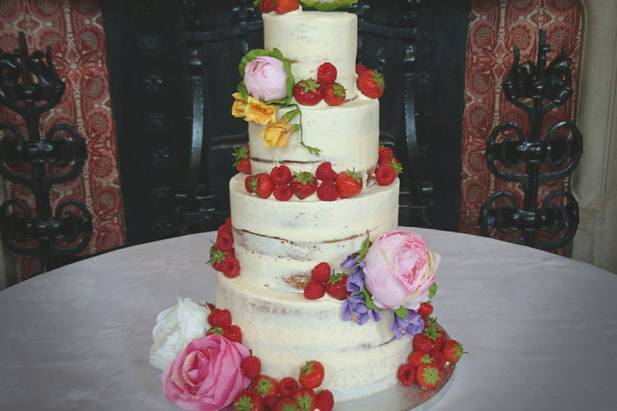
[[259, 112], [277, 134], [238, 109]]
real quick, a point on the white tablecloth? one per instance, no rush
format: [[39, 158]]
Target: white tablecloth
[[541, 330]]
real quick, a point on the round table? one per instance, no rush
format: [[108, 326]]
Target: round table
[[540, 330]]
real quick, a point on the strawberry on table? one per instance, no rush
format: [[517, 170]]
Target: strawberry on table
[[336, 287], [334, 94], [281, 175], [326, 74], [251, 367], [325, 172], [264, 185], [428, 376], [242, 160], [266, 387], [406, 374], [325, 400], [314, 290], [282, 192], [304, 184], [305, 399], [307, 92], [321, 272], [327, 191], [285, 6], [311, 374], [453, 351], [371, 83], [247, 401], [348, 183]]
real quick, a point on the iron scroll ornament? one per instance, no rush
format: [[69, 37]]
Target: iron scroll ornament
[[534, 160], [30, 86]]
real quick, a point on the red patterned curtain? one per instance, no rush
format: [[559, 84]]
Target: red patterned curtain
[[74, 31], [494, 27]]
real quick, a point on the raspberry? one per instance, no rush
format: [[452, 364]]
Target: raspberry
[[326, 74], [282, 192], [281, 175], [224, 239], [327, 191], [251, 367], [385, 175], [325, 172], [385, 154], [406, 374], [321, 272], [233, 333], [325, 400], [314, 290], [425, 309], [219, 318], [231, 266]]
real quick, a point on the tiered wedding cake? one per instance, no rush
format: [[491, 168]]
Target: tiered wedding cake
[[276, 240]]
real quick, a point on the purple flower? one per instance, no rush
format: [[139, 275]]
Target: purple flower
[[355, 309], [409, 326], [350, 261], [355, 282]]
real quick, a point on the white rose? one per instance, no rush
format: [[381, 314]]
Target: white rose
[[175, 328]]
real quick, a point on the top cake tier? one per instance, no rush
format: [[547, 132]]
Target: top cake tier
[[310, 38]]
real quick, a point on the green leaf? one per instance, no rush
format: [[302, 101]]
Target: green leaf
[[432, 291], [366, 244], [244, 93], [368, 300], [276, 53], [401, 312], [322, 5]]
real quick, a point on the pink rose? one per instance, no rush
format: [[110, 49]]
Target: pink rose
[[265, 78], [400, 269], [206, 376]]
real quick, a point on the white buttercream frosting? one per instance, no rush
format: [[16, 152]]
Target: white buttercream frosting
[[175, 328], [309, 38]]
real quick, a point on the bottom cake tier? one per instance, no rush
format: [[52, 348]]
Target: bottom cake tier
[[285, 330]]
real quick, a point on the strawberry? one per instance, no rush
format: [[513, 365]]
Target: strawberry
[[281, 175], [325, 172], [233, 333], [287, 387], [406, 374], [217, 258], [360, 68], [250, 184], [311, 374], [303, 184], [242, 161], [425, 309], [266, 387], [227, 222], [264, 185], [336, 287], [435, 334], [224, 239], [282, 192], [266, 6], [247, 401], [385, 175], [321, 272], [307, 92], [251, 367], [422, 343], [326, 74], [371, 83], [327, 191], [348, 183], [231, 266], [453, 351], [314, 290], [438, 360], [440, 341], [385, 154], [428, 376], [285, 6], [419, 357], [219, 318], [305, 399], [325, 400], [286, 404], [334, 94], [215, 330]]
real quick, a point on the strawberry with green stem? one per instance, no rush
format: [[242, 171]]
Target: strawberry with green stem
[[311, 374], [348, 184], [242, 160], [428, 376]]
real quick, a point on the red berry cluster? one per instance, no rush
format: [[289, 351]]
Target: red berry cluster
[[242, 159], [310, 92], [431, 351], [278, 6], [388, 167], [288, 394], [222, 257], [221, 323], [323, 281]]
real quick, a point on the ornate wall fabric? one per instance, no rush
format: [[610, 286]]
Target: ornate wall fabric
[[74, 31], [494, 27]]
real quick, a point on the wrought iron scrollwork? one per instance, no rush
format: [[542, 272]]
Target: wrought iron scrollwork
[[30, 86], [537, 89]]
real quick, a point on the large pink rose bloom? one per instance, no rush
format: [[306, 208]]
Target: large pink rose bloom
[[206, 376], [265, 78], [400, 269]]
